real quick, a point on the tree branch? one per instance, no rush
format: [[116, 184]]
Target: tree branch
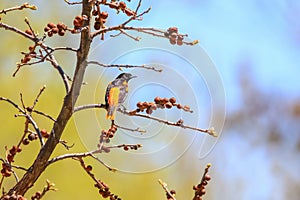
[[40, 163], [124, 66], [21, 7]]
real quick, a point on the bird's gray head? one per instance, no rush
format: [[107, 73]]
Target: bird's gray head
[[126, 76]]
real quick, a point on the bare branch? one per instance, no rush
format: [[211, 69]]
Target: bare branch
[[73, 3], [27, 116], [81, 155], [38, 96], [18, 31], [127, 34], [179, 123], [124, 66], [44, 114], [131, 129], [89, 106], [164, 186], [21, 7]]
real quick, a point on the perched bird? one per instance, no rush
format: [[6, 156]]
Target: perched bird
[[116, 93]]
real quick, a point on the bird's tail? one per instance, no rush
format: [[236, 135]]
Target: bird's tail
[[111, 111]]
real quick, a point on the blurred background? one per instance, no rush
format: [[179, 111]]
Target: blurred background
[[254, 46]]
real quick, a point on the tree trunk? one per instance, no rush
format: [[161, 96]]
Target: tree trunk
[[66, 112]]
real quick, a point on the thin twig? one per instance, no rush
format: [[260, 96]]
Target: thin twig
[[38, 96], [44, 114], [73, 3], [24, 133], [88, 106], [16, 30], [48, 55], [124, 66], [19, 167], [181, 125], [1, 181], [33, 123], [131, 129], [21, 7], [164, 186]]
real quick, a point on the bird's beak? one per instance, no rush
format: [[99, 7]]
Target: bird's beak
[[133, 77]]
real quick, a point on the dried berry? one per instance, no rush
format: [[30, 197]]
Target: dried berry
[[122, 5], [47, 28], [95, 12], [97, 25], [179, 106], [61, 32], [29, 32], [126, 148], [44, 133], [55, 30], [51, 25], [186, 108], [25, 141], [207, 177], [157, 100], [89, 168], [139, 104], [168, 105], [61, 26], [129, 12], [50, 34], [172, 100], [31, 136], [104, 15], [173, 30], [31, 49]]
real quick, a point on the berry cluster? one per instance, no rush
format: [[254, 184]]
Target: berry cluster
[[27, 56], [52, 29], [6, 166], [37, 195], [200, 188], [100, 20], [101, 186], [174, 36], [78, 22], [121, 6], [110, 132], [126, 147], [160, 103], [13, 197], [33, 136]]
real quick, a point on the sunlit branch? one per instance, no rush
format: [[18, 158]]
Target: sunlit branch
[[21, 7], [124, 66]]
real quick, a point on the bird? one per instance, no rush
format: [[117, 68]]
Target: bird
[[116, 93]]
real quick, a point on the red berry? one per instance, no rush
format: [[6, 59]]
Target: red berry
[[51, 25], [55, 30], [46, 29], [89, 168], [61, 32], [29, 32], [104, 15], [168, 105], [172, 100], [122, 5], [157, 100]]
